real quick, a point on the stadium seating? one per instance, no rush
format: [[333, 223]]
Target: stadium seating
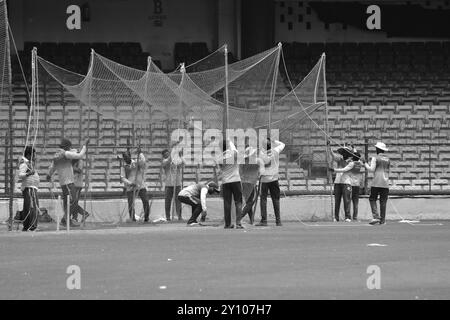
[[373, 90]]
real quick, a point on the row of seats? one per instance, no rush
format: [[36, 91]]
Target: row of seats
[[411, 162], [379, 68], [368, 82], [75, 56]]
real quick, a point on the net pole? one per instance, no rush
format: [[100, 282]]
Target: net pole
[[147, 76], [10, 121], [86, 172], [366, 155], [274, 86], [227, 103], [183, 74], [329, 178]]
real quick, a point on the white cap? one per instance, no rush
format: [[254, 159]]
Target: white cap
[[381, 146]]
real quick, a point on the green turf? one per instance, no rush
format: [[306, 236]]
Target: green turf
[[295, 261]]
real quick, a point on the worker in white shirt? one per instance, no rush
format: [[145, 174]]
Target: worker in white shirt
[[195, 196], [269, 180], [342, 191], [228, 168], [346, 182], [29, 179], [62, 164]]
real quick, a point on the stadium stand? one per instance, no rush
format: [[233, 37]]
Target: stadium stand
[[397, 92]]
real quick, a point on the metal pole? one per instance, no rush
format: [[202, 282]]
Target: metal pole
[[429, 168], [366, 156], [10, 121], [327, 128], [226, 121], [87, 164], [273, 89], [68, 197]]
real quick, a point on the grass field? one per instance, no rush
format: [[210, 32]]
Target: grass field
[[172, 261]]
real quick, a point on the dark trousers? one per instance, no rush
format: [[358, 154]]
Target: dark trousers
[[374, 193], [274, 189], [232, 191], [355, 201], [170, 194], [248, 194], [30, 209], [342, 191], [196, 208], [70, 190], [131, 196], [78, 196]]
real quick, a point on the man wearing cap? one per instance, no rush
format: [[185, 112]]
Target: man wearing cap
[[342, 183], [269, 180], [380, 166], [62, 164], [195, 196], [250, 171]]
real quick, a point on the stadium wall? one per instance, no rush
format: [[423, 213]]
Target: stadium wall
[[301, 208]]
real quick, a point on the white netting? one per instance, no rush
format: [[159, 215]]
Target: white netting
[[114, 101], [5, 94]]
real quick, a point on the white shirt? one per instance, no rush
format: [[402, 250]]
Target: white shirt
[[229, 166], [380, 166], [271, 161]]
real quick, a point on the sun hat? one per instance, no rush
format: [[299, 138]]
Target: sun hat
[[381, 146]]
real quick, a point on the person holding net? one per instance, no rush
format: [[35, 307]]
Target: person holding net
[[133, 177], [62, 164], [250, 171], [195, 196], [380, 166], [269, 180], [344, 187], [228, 169], [78, 183], [29, 179], [342, 183], [171, 164]]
